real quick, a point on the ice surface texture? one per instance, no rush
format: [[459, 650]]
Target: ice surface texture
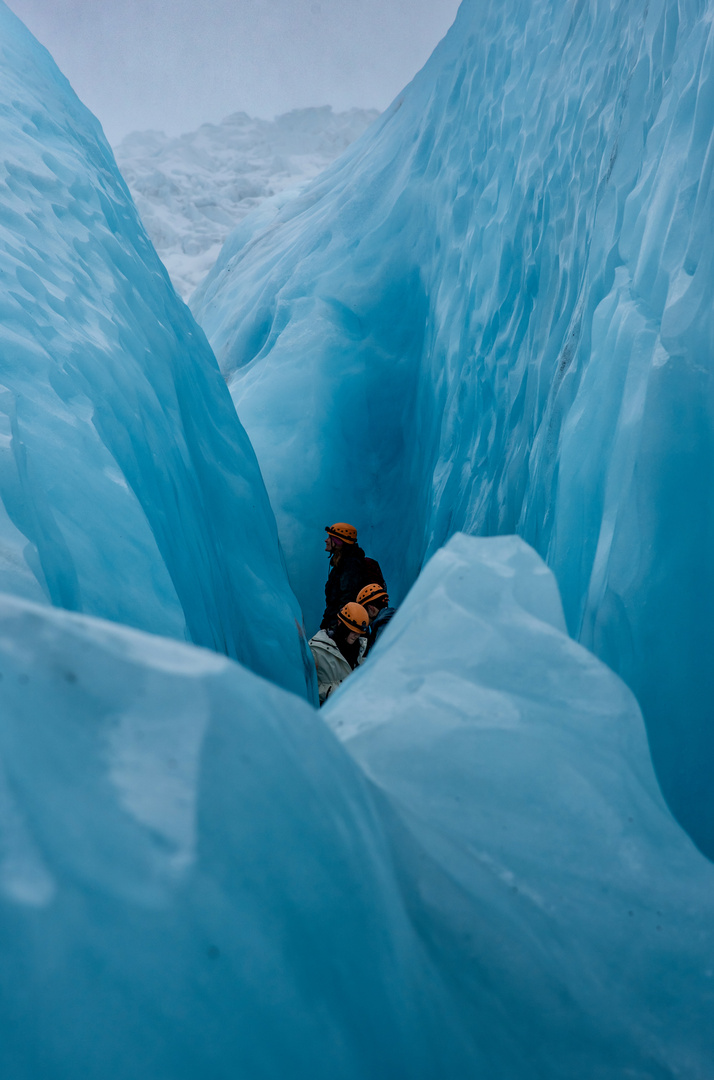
[[494, 314], [127, 487], [563, 900], [196, 879], [191, 191]]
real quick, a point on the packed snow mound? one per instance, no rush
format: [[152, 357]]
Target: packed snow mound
[[194, 877], [568, 908], [493, 314], [191, 191], [128, 489]]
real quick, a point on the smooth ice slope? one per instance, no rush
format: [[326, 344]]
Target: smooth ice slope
[[191, 191], [494, 314], [571, 913], [127, 487], [194, 878]]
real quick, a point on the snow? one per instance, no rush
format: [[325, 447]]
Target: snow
[[196, 878], [128, 488], [191, 191], [493, 314]]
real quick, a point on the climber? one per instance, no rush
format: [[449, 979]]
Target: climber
[[338, 651], [349, 570], [375, 600]]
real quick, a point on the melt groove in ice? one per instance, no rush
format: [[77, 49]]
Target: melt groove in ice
[[493, 314]]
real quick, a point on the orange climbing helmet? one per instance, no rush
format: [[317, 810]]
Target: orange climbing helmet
[[354, 617], [370, 594], [342, 531]]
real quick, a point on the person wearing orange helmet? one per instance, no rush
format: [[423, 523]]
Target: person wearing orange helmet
[[375, 601], [349, 570], [339, 650]]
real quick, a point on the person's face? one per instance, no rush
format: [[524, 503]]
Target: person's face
[[329, 545], [372, 611], [352, 637]]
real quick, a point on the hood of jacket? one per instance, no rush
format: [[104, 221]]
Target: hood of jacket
[[323, 641]]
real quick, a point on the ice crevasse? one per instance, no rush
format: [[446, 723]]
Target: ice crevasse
[[474, 873], [128, 488], [493, 314]]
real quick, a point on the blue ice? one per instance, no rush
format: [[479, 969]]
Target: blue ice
[[128, 488], [197, 879], [493, 314], [464, 865]]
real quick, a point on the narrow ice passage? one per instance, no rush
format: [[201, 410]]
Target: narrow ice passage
[[493, 314], [471, 871]]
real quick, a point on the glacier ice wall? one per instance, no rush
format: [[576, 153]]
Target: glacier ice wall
[[493, 314], [196, 879], [127, 487]]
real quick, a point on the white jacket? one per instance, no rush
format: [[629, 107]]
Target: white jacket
[[332, 668]]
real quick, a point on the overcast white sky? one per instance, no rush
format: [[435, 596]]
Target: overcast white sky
[[174, 64]]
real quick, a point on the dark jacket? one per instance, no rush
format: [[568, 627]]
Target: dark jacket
[[343, 582], [377, 625]]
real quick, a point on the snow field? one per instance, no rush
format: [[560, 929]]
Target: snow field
[[193, 190]]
